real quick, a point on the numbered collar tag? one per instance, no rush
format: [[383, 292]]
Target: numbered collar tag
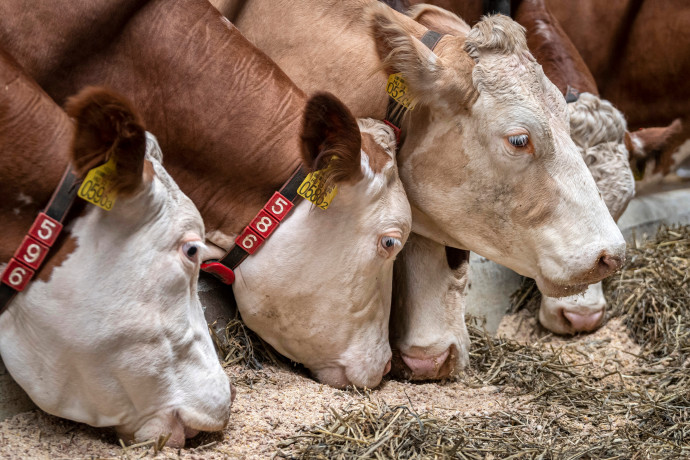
[[96, 187], [311, 188], [398, 91]]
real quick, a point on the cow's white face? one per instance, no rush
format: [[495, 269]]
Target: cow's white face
[[427, 331], [598, 130], [319, 290], [117, 336], [497, 172]]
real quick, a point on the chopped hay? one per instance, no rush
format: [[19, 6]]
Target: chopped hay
[[527, 296], [652, 294], [573, 409], [241, 345]]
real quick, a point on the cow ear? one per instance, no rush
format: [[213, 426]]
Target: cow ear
[[331, 140], [106, 126], [656, 144], [400, 51], [439, 19]]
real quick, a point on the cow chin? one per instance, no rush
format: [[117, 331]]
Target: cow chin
[[553, 289], [177, 425], [448, 365], [338, 377]]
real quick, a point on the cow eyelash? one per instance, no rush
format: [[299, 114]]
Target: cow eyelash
[[519, 140]]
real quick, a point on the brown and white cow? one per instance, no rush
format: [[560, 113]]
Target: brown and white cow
[[486, 158], [234, 128], [597, 128], [111, 331], [320, 289]]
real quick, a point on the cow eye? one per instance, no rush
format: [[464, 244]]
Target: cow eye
[[389, 244], [191, 250], [519, 140]]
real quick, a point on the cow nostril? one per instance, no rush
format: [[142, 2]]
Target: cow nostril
[[609, 264], [387, 369]]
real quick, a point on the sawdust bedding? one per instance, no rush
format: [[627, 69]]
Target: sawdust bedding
[[277, 402]]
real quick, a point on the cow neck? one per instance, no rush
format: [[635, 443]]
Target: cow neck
[[259, 229], [42, 235], [227, 118], [395, 111]]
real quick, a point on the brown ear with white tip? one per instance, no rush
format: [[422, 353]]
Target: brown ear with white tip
[[657, 144], [331, 140]]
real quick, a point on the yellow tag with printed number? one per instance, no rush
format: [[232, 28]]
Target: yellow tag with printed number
[[96, 187], [311, 188], [397, 89]]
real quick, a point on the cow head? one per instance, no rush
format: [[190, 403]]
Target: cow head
[[116, 335], [319, 289], [655, 151], [599, 132], [488, 162], [427, 327]]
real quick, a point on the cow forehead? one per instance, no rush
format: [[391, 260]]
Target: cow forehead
[[517, 80], [166, 194]]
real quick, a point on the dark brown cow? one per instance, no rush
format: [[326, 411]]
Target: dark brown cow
[[234, 128], [638, 53], [91, 339]]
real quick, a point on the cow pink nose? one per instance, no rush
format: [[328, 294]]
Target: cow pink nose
[[427, 367], [584, 322], [608, 264]]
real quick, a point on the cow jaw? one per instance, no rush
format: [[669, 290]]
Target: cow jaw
[[116, 336], [319, 289]]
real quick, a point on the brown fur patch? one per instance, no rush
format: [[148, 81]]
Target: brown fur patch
[[64, 245], [107, 126], [656, 143], [378, 158], [552, 48], [331, 138]]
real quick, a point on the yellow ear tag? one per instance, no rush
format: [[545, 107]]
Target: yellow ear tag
[[397, 89], [311, 187], [96, 187]]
